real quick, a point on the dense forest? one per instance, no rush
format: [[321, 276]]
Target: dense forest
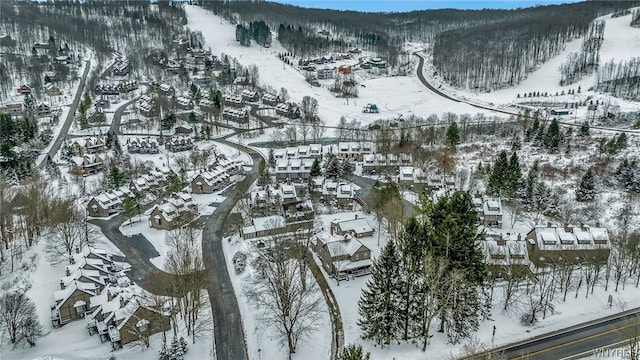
[[499, 55], [132, 28]]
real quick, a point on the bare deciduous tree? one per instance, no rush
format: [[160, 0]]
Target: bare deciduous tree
[[277, 289], [19, 318], [70, 233]]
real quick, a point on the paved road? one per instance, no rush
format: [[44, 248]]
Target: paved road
[[424, 81], [69, 120], [577, 341], [138, 251], [227, 322], [117, 116]]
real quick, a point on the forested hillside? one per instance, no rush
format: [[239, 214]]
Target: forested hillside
[[499, 55], [483, 50], [132, 28]]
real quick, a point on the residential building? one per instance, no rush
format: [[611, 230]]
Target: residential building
[[357, 227], [178, 209], [548, 244], [249, 96], [109, 202], [234, 100], [343, 256], [88, 164], [270, 99], [145, 145], [178, 143], [506, 254], [89, 145]]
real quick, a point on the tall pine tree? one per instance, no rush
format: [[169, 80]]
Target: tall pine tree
[[379, 320], [587, 188]]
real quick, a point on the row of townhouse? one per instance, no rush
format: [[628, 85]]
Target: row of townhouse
[[110, 202], [249, 96], [88, 145], [143, 145], [233, 100], [544, 246], [88, 272], [288, 212], [342, 193], [237, 115], [271, 99], [293, 169], [121, 67], [175, 211], [119, 314], [344, 150], [178, 143], [147, 105], [289, 110], [94, 289], [184, 103], [550, 243], [85, 165], [376, 163], [216, 178]]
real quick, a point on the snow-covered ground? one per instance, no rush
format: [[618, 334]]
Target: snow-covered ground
[[394, 96]]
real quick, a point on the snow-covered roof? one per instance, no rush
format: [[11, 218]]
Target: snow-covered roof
[[359, 226]]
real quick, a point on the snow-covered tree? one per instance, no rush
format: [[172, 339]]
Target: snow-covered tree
[[377, 307], [587, 188]]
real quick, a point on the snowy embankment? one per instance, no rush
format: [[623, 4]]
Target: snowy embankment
[[394, 96], [621, 43]]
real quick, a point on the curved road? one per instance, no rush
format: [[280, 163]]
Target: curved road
[[227, 322], [424, 81]]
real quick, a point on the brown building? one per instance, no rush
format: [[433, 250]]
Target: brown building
[[177, 210], [343, 256], [88, 164]]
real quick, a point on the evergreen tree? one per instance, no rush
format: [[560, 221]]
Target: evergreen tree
[[499, 175], [377, 306], [128, 209], [115, 178], [332, 167], [183, 345], [514, 176], [315, 168], [264, 177], [354, 352], [621, 142], [585, 129], [272, 159], [553, 138], [164, 352], [169, 122], [453, 135], [587, 188], [175, 352], [627, 176]]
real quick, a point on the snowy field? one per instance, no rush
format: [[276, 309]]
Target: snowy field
[[394, 96]]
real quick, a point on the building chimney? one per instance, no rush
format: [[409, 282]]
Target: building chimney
[[67, 271], [331, 230], [356, 216], [61, 284], [548, 223], [121, 301], [109, 295]]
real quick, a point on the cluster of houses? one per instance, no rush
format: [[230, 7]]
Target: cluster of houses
[[109, 203], [143, 145], [95, 290], [177, 210], [147, 105], [116, 89], [121, 67], [216, 178], [178, 143], [237, 115]]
